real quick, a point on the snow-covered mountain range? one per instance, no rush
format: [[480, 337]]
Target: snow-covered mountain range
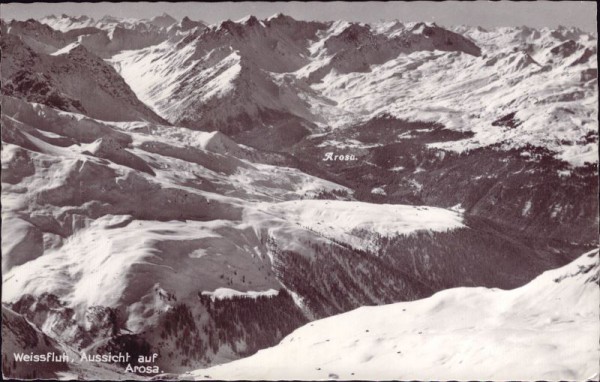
[[166, 189]]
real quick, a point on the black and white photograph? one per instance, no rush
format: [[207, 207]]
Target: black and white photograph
[[272, 191]]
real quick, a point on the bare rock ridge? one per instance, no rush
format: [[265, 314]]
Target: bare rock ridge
[[73, 80], [20, 336]]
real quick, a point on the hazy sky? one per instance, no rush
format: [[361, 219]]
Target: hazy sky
[[581, 14]]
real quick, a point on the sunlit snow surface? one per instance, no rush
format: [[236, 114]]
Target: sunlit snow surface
[[66, 49], [227, 293], [545, 330], [358, 223]]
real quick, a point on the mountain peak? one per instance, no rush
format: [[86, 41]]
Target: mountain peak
[[163, 21], [239, 27], [249, 20], [109, 18], [355, 32], [186, 24], [280, 17]]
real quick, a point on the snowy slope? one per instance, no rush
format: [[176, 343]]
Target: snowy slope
[[545, 330], [553, 103], [65, 22], [116, 216], [185, 80], [135, 219], [104, 37]]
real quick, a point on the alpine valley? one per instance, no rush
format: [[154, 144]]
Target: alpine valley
[[351, 196]]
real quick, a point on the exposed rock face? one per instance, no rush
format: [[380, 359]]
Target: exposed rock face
[[21, 337], [74, 80]]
